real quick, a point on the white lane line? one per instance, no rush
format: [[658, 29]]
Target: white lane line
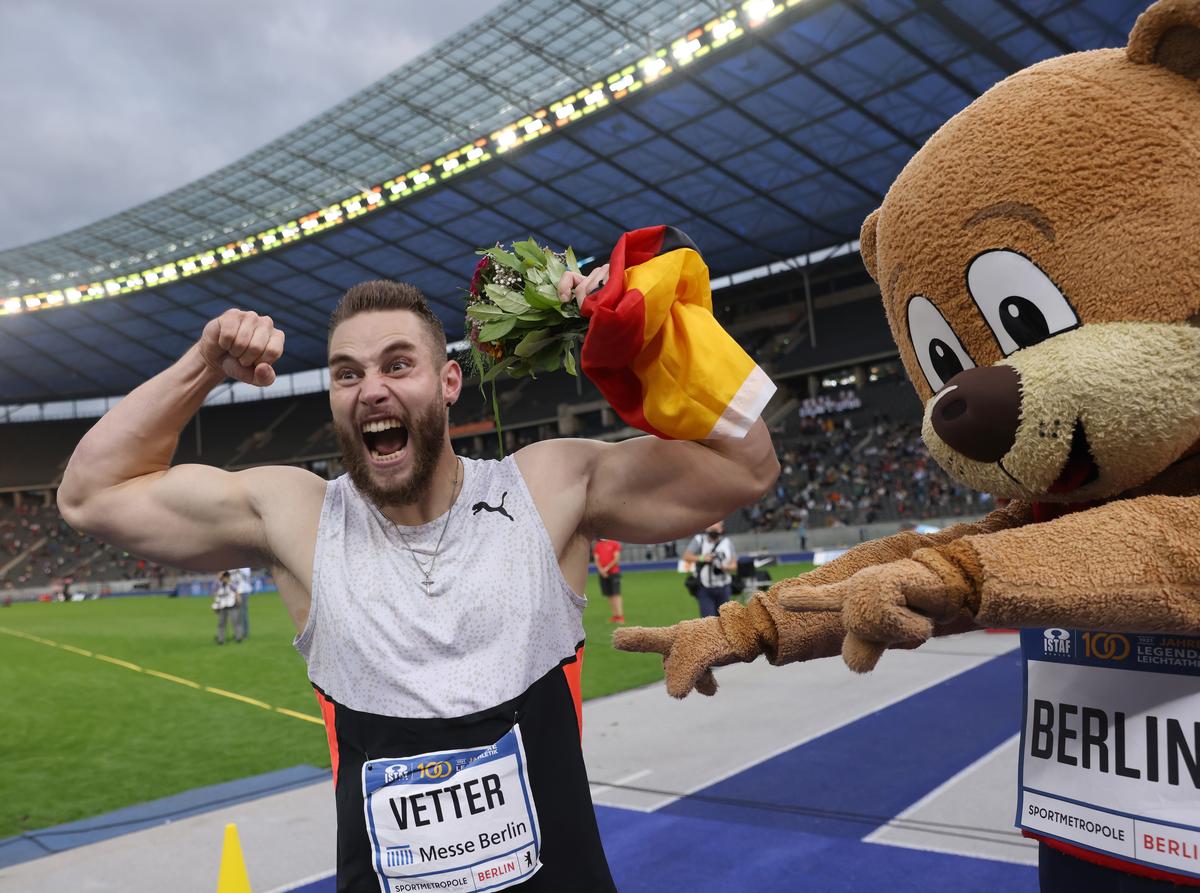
[[832, 727], [1023, 851], [1007, 845], [311, 879], [945, 785], [634, 776]]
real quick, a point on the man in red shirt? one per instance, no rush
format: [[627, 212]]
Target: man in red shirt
[[607, 556]]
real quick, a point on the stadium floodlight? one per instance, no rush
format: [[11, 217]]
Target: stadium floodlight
[[758, 10], [695, 43], [684, 51], [623, 84], [652, 68], [723, 29]]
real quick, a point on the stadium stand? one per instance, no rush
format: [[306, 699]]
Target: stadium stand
[[846, 426]]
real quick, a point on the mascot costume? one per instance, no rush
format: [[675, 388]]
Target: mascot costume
[[1039, 261]]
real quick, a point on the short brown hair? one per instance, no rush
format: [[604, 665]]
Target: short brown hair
[[384, 294]]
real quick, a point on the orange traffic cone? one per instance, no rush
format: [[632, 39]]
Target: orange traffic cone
[[233, 877]]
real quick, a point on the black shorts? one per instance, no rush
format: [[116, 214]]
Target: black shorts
[[611, 585]]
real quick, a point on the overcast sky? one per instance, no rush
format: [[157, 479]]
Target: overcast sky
[[108, 103]]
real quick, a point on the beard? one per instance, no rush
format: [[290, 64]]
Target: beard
[[426, 433]]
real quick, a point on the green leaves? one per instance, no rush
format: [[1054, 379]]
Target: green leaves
[[530, 253], [533, 342], [503, 365], [544, 296], [502, 257], [484, 312], [497, 328], [506, 299], [522, 315]]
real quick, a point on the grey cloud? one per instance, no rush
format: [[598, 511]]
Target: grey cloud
[[109, 103]]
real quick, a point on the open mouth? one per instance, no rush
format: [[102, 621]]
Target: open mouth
[[385, 439], [1080, 468]]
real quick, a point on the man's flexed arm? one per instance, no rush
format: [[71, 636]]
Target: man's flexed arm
[[119, 485], [648, 490]]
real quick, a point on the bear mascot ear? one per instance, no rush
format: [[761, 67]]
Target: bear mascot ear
[[866, 242], [1168, 34]]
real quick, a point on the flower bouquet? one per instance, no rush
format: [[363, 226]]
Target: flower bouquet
[[516, 323], [643, 328]]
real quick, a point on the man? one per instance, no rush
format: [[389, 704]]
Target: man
[[225, 604], [606, 555], [715, 559], [437, 600], [243, 578]]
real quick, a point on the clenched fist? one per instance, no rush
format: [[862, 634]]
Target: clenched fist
[[242, 345]]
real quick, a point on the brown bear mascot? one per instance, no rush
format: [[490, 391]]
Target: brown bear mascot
[[1039, 261]]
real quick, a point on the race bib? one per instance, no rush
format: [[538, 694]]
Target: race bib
[[457, 820], [1110, 745]]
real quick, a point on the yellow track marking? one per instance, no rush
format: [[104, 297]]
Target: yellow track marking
[[161, 675], [245, 699], [303, 716], [237, 697], [120, 663]]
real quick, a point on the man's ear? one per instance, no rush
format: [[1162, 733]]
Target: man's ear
[[452, 379], [866, 242], [1168, 34]]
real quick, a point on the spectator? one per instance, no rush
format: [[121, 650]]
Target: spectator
[[713, 554], [607, 556], [225, 603]]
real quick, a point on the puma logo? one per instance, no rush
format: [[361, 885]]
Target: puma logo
[[484, 507]]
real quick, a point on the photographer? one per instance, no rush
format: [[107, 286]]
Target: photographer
[[715, 559]]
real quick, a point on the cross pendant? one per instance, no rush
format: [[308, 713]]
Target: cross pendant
[[427, 583]]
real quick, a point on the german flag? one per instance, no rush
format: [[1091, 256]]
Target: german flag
[[656, 352]]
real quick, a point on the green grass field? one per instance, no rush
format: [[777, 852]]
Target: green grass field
[[85, 735]]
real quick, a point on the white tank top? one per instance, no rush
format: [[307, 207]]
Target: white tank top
[[500, 615]]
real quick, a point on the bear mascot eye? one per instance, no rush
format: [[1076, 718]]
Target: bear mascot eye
[[1020, 303], [938, 349]]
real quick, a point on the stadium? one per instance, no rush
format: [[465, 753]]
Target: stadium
[[767, 132]]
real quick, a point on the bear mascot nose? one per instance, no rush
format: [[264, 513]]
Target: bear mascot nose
[[978, 412]]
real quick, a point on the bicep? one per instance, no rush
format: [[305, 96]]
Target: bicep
[[191, 516], [648, 490]]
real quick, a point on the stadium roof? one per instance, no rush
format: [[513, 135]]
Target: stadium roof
[[764, 130]]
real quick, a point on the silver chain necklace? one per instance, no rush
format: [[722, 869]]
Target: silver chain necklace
[[427, 573]]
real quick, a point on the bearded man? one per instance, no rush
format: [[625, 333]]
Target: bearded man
[[438, 600]]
